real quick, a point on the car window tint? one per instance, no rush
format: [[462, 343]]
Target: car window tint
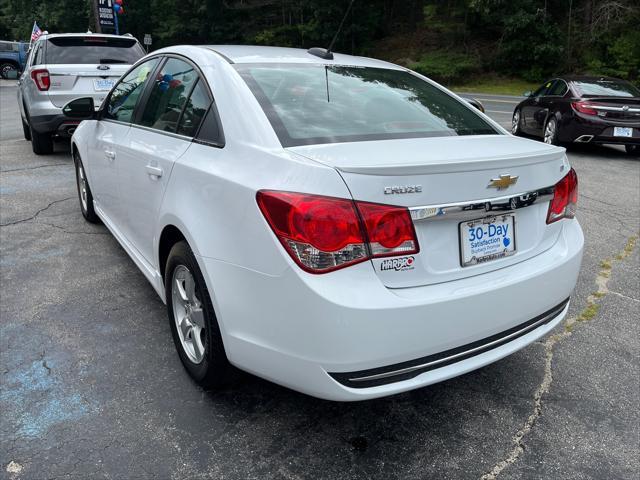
[[210, 130], [36, 58], [169, 93], [315, 104], [194, 110], [559, 88], [93, 49], [124, 96], [543, 89]]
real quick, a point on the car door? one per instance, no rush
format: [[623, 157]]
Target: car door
[[111, 130], [531, 110], [163, 130]]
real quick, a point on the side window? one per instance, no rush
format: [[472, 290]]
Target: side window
[[168, 96], [559, 88], [210, 130], [543, 90], [194, 110], [36, 55], [125, 94]]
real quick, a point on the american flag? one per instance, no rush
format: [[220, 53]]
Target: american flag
[[36, 32]]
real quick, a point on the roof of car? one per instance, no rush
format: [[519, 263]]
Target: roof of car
[[84, 34], [262, 54], [587, 78]]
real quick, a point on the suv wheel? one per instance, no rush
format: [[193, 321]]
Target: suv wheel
[[194, 326], [42, 143], [26, 130]]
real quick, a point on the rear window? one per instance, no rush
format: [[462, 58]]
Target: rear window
[[314, 104], [93, 50], [605, 88]]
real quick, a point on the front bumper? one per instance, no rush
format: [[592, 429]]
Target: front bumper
[[295, 328]]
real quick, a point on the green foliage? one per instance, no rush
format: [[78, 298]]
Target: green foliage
[[449, 40], [447, 67]]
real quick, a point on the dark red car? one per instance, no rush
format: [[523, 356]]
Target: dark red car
[[581, 109]]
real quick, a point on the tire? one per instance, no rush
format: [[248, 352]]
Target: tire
[[41, 143], [6, 69], [26, 130], [632, 149], [198, 339], [550, 134], [84, 192], [515, 123]]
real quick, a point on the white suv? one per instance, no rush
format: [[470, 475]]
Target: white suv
[[63, 67]]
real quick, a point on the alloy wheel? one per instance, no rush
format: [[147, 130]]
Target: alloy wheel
[[82, 186], [550, 132], [188, 314], [515, 122]]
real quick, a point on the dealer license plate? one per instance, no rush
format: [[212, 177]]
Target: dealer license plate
[[487, 239], [102, 84], [622, 132]]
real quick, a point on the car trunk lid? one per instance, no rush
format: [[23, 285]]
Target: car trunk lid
[[444, 181]]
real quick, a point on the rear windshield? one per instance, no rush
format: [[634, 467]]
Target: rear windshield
[[605, 88], [313, 104], [93, 50]]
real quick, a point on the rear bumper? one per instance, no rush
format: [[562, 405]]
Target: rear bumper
[[295, 328], [579, 128], [58, 124]]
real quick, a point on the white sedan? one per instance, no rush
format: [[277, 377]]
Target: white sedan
[[338, 225]]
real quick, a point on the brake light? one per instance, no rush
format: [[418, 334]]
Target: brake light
[[565, 198], [41, 79], [584, 107], [323, 234]]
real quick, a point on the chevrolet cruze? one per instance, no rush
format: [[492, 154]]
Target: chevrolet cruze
[[338, 225]]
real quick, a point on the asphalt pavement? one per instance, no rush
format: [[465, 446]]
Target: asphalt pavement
[[91, 385]]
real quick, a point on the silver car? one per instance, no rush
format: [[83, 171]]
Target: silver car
[[62, 67]]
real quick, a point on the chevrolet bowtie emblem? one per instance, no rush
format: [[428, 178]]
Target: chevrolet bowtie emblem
[[505, 181]]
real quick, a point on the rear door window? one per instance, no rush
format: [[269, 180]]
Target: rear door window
[[558, 89], [194, 110], [169, 93], [124, 97], [93, 50]]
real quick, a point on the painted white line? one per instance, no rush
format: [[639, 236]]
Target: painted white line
[[513, 102]]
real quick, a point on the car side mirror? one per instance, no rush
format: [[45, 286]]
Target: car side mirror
[[528, 93], [475, 103], [80, 108]]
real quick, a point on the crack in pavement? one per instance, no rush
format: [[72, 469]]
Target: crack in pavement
[[587, 314], [35, 215], [70, 232], [33, 168]]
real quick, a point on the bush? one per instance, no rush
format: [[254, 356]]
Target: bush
[[447, 67]]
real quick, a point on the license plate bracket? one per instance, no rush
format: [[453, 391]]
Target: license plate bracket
[[487, 239], [103, 84], [623, 132]]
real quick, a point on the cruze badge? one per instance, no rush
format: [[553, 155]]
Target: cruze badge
[[502, 182], [403, 189]]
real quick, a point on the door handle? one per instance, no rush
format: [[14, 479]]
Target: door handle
[[109, 154], [154, 171]]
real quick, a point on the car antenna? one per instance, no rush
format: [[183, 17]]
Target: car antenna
[[327, 53]]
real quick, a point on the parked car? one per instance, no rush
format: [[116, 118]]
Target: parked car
[[581, 109], [62, 67], [13, 56], [344, 227]]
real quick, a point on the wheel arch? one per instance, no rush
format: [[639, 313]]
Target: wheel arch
[[169, 236]]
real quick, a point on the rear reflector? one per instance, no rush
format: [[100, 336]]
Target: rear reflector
[[41, 78], [326, 233], [565, 198]]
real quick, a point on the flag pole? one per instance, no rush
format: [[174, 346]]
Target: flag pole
[[32, 30]]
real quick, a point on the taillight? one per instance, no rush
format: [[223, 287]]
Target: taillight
[[565, 198], [584, 107], [326, 233], [41, 79]]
